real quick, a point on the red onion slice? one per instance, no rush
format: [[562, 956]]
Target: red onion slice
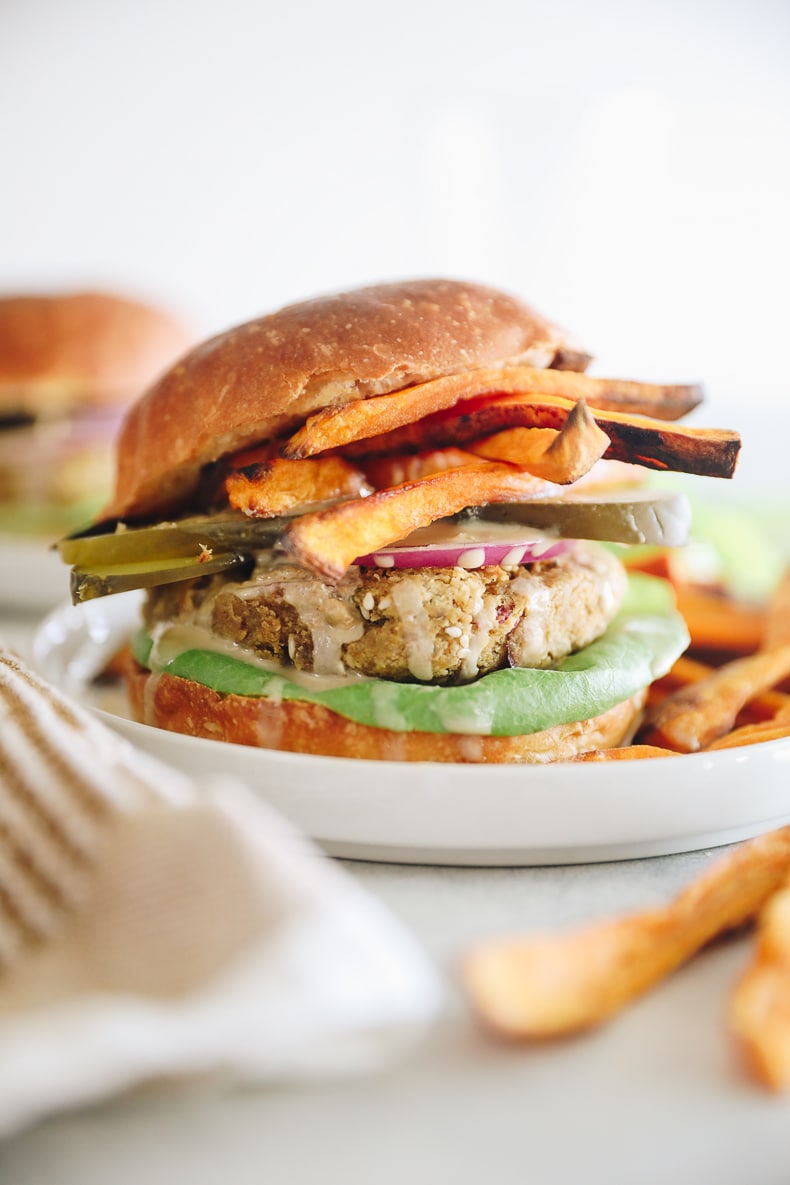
[[467, 554]]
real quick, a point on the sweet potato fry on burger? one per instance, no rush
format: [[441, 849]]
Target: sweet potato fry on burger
[[370, 525]]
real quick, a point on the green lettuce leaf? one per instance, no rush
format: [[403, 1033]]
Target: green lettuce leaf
[[639, 646]]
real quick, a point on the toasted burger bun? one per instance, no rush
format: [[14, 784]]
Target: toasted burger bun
[[260, 379], [81, 351], [181, 705]]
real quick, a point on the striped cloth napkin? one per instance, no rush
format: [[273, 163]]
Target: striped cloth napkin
[[151, 927]]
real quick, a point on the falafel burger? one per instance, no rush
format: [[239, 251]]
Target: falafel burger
[[380, 524], [70, 363]]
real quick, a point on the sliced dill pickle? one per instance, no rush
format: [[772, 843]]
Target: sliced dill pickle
[[659, 518], [184, 537], [236, 531], [101, 581], [133, 546]]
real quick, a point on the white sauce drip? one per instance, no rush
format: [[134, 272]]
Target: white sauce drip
[[408, 596], [484, 622], [171, 640], [533, 627], [332, 623]]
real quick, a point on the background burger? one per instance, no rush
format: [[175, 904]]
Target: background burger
[[69, 366], [366, 525]]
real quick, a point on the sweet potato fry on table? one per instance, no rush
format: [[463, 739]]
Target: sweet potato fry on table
[[698, 714], [335, 427], [563, 457], [549, 986], [273, 487], [329, 541], [759, 1010]]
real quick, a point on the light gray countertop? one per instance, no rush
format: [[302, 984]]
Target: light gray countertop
[[657, 1095]]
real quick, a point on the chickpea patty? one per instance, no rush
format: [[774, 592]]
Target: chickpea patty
[[430, 625]]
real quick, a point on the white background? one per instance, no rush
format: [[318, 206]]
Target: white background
[[623, 166]]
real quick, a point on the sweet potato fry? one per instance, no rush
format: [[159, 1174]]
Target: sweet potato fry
[[712, 452], [517, 446], [329, 541], [776, 631], [759, 1010], [655, 562], [336, 427], [753, 734], [720, 623], [550, 986], [563, 457], [695, 716], [762, 707], [394, 471], [716, 621], [626, 753], [269, 488]]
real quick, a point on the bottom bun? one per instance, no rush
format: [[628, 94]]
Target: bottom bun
[[294, 726]]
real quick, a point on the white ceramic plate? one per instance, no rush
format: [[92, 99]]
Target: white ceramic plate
[[33, 578], [450, 814]]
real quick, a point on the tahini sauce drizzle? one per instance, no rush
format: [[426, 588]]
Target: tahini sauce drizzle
[[170, 640], [408, 597]]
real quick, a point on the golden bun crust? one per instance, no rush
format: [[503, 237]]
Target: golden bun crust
[[179, 705], [262, 378], [86, 349]]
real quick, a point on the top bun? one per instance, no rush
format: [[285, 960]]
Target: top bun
[[80, 350], [263, 378]]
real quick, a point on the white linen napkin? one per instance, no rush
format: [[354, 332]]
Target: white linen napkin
[[153, 927]]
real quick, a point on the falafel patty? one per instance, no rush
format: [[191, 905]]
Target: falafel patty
[[429, 625]]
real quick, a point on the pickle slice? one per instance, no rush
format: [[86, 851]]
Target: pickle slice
[[101, 581], [183, 537], [661, 519]]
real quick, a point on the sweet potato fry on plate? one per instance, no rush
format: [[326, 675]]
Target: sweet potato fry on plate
[[696, 715], [626, 753], [718, 622], [685, 671], [339, 426], [754, 734], [549, 986], [776, 630]]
